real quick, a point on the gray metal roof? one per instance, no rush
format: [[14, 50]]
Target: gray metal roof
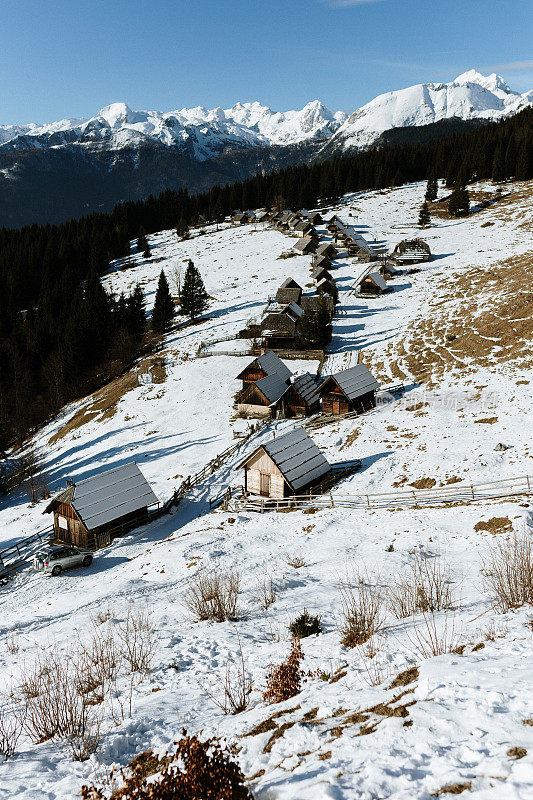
[[376, 278], [272, 364], [307, 388], [108, 496], [356, 381], [298, 458], [273, 387]]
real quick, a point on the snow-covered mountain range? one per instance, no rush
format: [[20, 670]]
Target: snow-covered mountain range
[[211, 131]]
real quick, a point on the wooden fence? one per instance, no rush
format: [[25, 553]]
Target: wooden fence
[[457, 493]]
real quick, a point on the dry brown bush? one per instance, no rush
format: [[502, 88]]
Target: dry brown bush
[[295, 561], [136, 636], [11, 726], [285, 680], [266, 594], [426, 587], [508, 572], [433, 633], [55, 709], [237, 687], [361, 609], [205, 771], [214, 596]]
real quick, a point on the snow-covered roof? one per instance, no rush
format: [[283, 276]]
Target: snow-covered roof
[[107, 497]]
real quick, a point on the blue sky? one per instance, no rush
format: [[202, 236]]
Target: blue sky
[[60, 58]]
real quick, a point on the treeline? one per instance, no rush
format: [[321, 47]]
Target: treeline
[[60, 332]]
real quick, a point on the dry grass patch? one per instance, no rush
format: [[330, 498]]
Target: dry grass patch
[[103, 403], [423, 483], [405, 678], [508, 572], [453, 788], [495, 525]]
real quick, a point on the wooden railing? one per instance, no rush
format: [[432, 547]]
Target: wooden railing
[[457, 493], [18, 555]]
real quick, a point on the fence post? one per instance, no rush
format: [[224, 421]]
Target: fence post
[[528, 484], [331, 498], [473, 493]]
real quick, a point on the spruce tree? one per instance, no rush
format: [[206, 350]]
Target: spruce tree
[[431, 190], [142, 244], [163, 306], [194, 299], [424, 218], [182, 229], [459, 203], [136, 316]]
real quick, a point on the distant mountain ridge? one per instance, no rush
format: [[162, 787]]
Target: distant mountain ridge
[[50, 172]]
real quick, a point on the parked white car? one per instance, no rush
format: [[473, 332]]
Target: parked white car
[[57, 558]]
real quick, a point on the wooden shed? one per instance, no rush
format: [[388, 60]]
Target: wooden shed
[[327, 250], [285, 466], [278, 326], [289, 291], [326, 285], [372, 283], [321, 262], [241, 218], [266, 364], [315, 218], [92, 512], [262, 397], [301, 397], [413, 251], [352, 389], [305, 246], [321, 272], [313, 303]]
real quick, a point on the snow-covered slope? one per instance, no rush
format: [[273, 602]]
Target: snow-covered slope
[[347, 735], [469, 96], [209, 131]]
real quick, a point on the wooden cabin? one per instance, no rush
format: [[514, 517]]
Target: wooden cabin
[[267, 364], [321, 272], [372, 283], [313, 303], [289, 291], [287, 465], [327, 250], [305, 246], [241, 218], [262, 397], [92, 512], [315, 218], [304, 228], [328, 286], [414, 251], [352, 389], [301, 398], [321, 261], [278, 326]]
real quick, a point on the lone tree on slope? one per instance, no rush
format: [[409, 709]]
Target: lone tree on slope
[[142, 244], [163, 312], [431, 190], [424, 217], [459, 203], [193, 298]]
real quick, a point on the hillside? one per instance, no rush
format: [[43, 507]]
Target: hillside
[[457, 332]]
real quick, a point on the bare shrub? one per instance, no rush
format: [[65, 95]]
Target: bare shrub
[[361, 609], [203, 769], [433, 633], [285, 680], [377, 668], [508, 572], [12, 645], [237, 687], [136, 635], [11, 726], [103, 616], [295, 561], [266, 595], [214, 596], [426, 587], [55, 709]]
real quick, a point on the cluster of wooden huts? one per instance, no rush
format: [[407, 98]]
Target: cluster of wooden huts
[[269, 388]]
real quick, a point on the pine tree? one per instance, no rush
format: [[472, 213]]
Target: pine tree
[[136, 315], [459, 203], [424, 218], [182, 229], [194, 299], [163, 312], [431, 190], [142, 244]]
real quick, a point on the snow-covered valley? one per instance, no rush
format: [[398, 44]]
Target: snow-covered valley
[[346, 734]]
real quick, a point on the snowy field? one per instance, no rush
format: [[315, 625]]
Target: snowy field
[[467, 709]]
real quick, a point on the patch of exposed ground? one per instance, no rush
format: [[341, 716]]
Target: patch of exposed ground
[[103, 403]]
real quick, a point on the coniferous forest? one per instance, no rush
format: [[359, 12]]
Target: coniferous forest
[[62, 335]]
